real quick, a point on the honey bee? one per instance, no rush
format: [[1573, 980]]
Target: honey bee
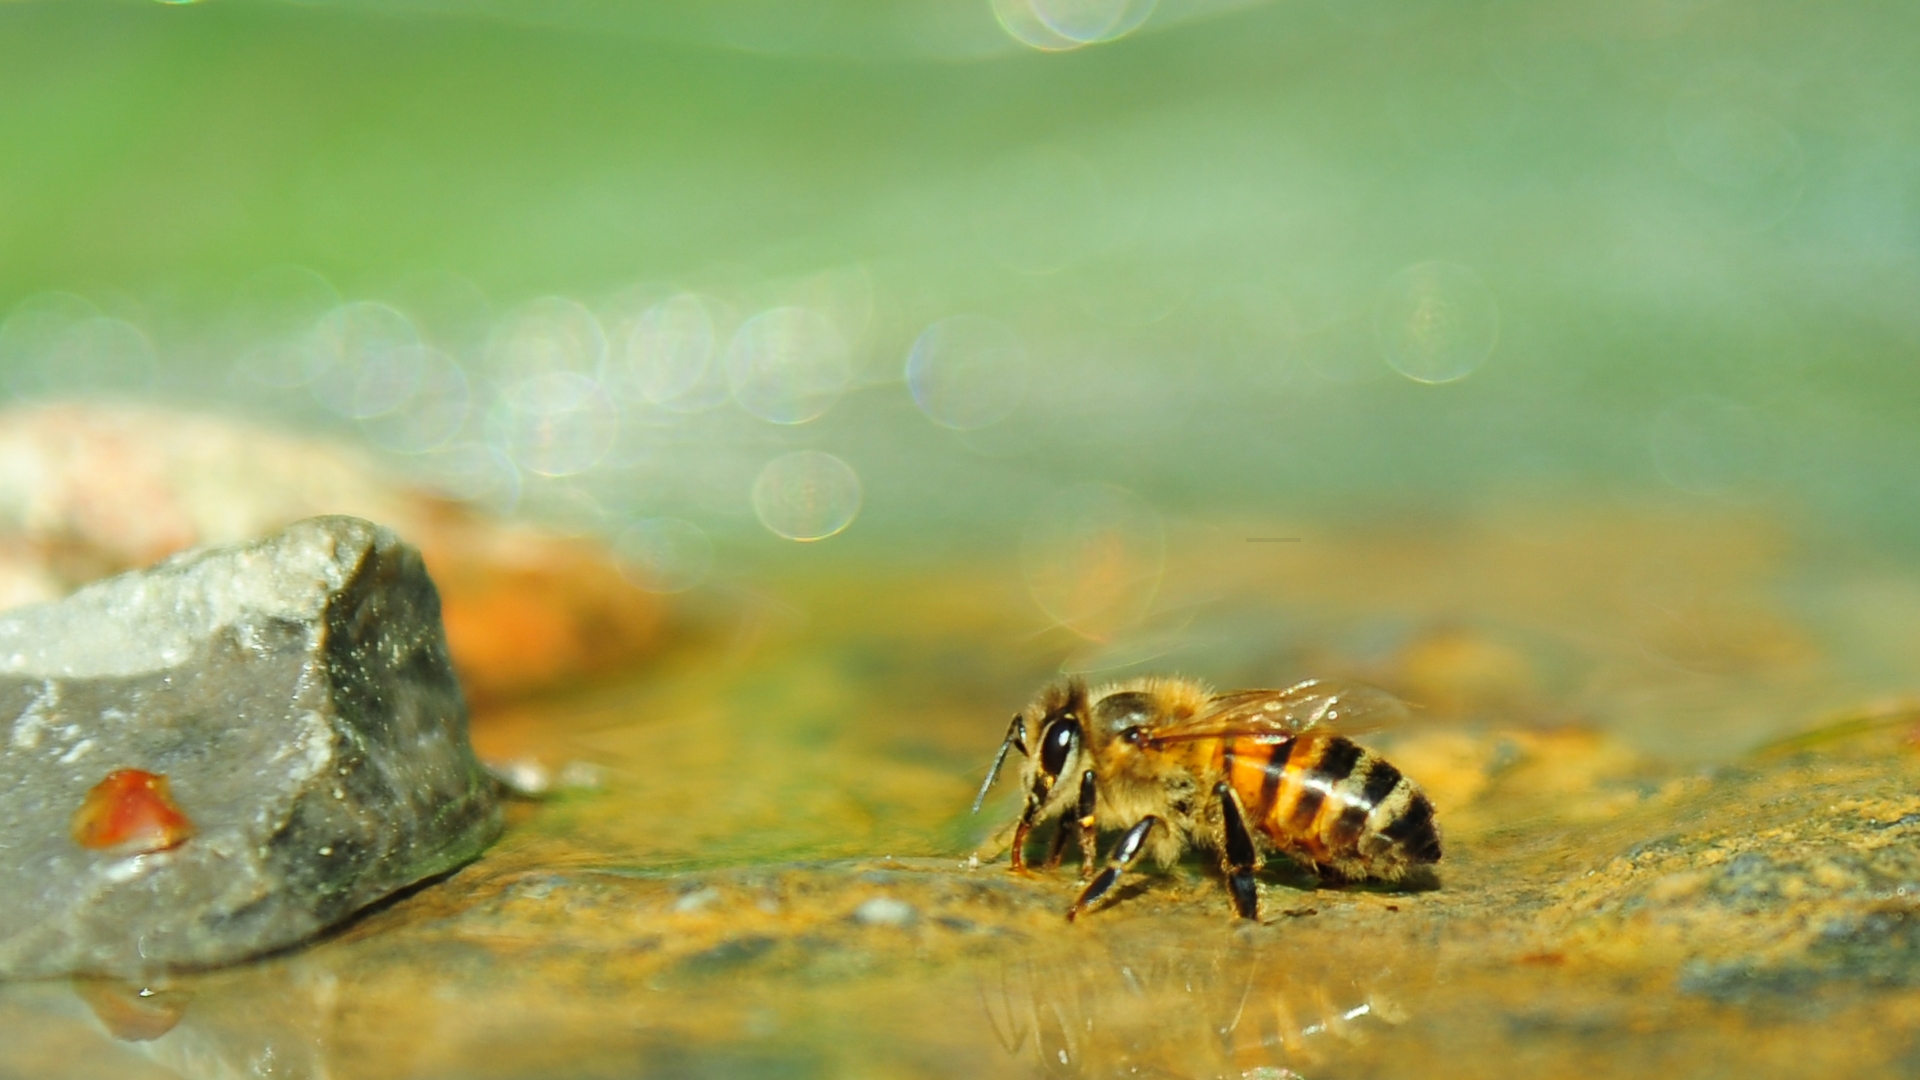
[[1175, 765]]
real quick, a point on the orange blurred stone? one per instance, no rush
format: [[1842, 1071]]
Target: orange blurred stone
[[130, 813], [530, 612], [91, 490]]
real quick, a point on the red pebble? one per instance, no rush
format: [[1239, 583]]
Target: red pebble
[[130, 813]]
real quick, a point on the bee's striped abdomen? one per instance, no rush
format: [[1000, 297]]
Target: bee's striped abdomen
[[1325, 798]]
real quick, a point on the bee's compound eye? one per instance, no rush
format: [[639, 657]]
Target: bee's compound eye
[[1056, 745]]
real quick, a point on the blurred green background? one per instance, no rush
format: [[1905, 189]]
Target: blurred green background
[[613, 264]]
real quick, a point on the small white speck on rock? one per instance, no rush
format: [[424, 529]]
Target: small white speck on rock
[[884, 911]]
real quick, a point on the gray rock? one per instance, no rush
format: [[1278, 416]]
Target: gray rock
[[296, 693]]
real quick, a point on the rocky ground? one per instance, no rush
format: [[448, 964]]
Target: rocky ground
[[1680, 839]]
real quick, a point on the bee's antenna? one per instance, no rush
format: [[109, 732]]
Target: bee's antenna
[[1013, 738]]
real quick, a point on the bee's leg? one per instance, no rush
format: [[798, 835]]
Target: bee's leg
[[1020, 832], [1035, 800], [1083, 818], [1240, 859], [1081, 823], [1124, 853], [1059, 849]]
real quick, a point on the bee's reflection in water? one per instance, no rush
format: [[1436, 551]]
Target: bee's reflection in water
[[1183, 1011]]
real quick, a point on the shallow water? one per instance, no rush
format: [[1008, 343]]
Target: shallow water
[[772, 879]]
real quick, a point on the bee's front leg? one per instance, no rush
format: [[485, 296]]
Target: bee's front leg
[[1081, 823], [1124, 853], [1240, 860], [1020, 832], [1035, 800]]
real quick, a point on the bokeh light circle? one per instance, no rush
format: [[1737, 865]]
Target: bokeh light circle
[[1061, 25], [1711, 446], [788, 365], [59, 345], [557, 424], [670, 349], [37, 332], [550, 335], [664, 554], [1436, 322], [806, 495], [102, 357], [1089, 21], [967, 372], [432, 416], [368, 360], [474, 472], [1093, 557]]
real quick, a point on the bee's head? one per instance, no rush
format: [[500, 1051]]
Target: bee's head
[[1051, 734]]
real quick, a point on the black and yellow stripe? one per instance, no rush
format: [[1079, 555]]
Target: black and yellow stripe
[[1326, 797]]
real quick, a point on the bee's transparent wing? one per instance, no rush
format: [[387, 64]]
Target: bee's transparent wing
[[1348, 708]]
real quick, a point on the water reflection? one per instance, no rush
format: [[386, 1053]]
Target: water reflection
[[1148, 1007]]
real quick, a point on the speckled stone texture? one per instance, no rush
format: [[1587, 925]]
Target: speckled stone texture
[[297, 694]]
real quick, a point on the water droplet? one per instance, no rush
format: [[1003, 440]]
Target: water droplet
[[670, 350], [557, 424], [806, 495], [787, 365], [967, 372], [1436, 322], [368, 360], [1093, 557], [665, 555]]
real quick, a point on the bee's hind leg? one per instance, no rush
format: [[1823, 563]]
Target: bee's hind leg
[[1240, 858], [1124, 853]]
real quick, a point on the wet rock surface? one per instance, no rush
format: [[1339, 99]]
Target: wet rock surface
[[771, 878], [295, 695]]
